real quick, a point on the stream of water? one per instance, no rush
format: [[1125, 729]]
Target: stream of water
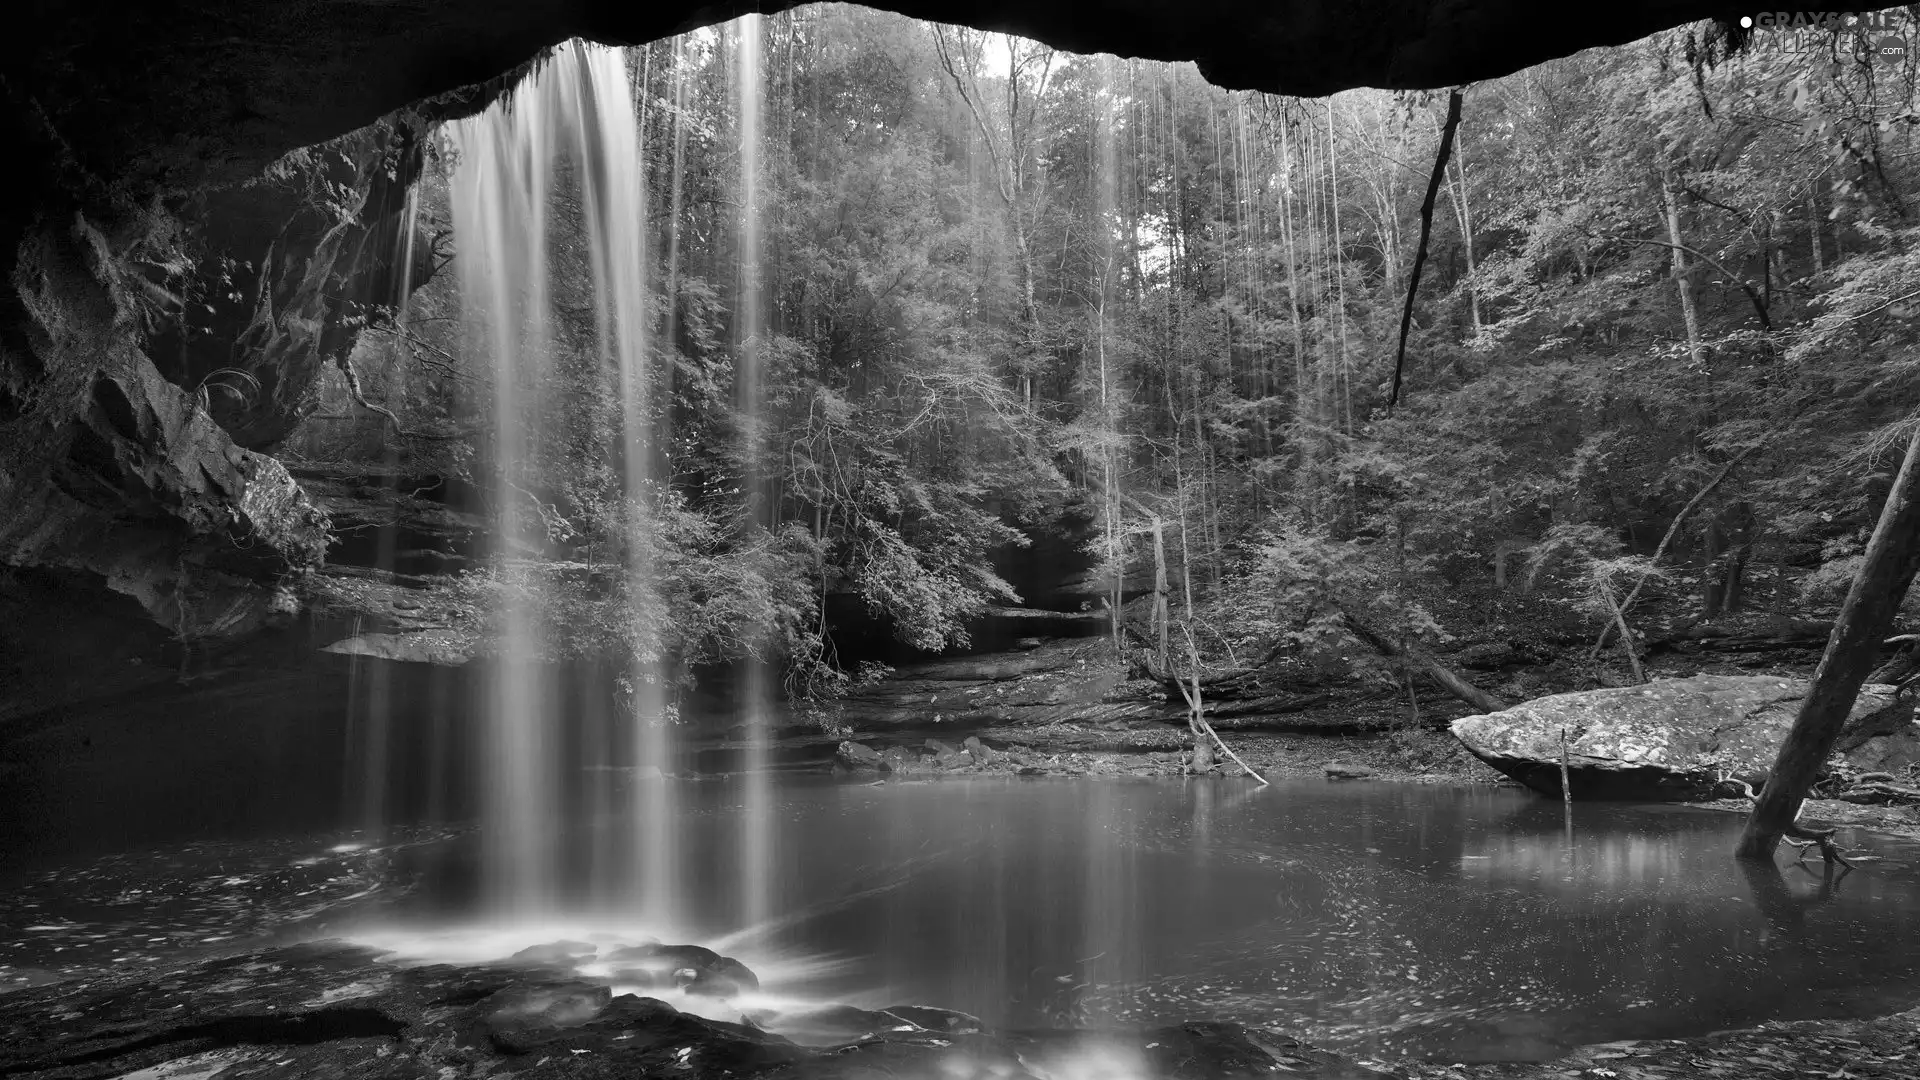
[[1384, 920]]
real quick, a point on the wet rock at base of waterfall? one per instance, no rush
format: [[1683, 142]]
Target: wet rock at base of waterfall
[[554, 952], [519, 1019], [691, 968], [330, 1009], [937, 1019], [1337, 770], [1672, 739], [831, 1024], [858, 757]]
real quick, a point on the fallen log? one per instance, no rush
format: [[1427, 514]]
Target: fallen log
[[1450, 680]]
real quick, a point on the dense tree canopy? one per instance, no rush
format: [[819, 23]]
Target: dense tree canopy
[[1662, 346]]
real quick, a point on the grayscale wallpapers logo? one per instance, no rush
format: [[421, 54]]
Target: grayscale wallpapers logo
[[1811, 32]]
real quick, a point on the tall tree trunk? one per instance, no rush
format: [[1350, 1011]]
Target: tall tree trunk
[[1303, 495], [1713, 594], [1813, 231], [1852, 651], [1457, 188], [1160, 589], [1680, 280], [1202, 761]]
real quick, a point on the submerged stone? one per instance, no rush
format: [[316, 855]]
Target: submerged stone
[[555, 952], [521, 1018], [1672, 739], [824, 1024], [692, 968], [859, 757], [937, 1019]]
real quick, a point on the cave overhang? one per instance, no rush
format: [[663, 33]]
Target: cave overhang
[[166, 98]]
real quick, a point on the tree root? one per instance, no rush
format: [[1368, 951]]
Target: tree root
[[1796, 835], [1803, 838]]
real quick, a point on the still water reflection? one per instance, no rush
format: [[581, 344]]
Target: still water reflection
[[1383, 919]]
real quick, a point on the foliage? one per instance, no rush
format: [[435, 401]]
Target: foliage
[[998, 291]]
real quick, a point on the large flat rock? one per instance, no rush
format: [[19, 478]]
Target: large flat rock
[[1672, 739]]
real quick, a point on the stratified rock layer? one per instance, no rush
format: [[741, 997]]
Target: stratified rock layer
[[1670, 739], [109, 471]]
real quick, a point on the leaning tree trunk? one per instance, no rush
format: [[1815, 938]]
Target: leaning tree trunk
[[1450, 680], [1852, 650]]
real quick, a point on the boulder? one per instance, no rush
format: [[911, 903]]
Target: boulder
[[832, 1023], [948, 756], [977, 750], [859, 757], [937, 1019], [519, 1019], [554, 952], [1672, 739], [692, 968]]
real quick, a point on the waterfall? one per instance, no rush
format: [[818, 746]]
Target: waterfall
[[572, 117], [757, 871]]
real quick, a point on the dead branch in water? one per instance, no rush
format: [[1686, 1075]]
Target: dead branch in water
[[1199, 716]]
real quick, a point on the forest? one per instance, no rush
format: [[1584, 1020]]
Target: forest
[[1657, 372], [589, 540]]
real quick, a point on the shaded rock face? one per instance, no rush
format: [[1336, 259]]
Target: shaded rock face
[[282, 280], [1671, 739], [109, 470]]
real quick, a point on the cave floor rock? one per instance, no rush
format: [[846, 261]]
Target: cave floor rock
[[330, 1009]]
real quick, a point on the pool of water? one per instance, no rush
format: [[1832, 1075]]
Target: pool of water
[[1384, 920]]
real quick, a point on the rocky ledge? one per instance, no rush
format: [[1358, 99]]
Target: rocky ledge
[[335, 1010], [1674, 739]]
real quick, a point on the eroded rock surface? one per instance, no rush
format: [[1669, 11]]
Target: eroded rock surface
[[334, 1010], [1670, 739]]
